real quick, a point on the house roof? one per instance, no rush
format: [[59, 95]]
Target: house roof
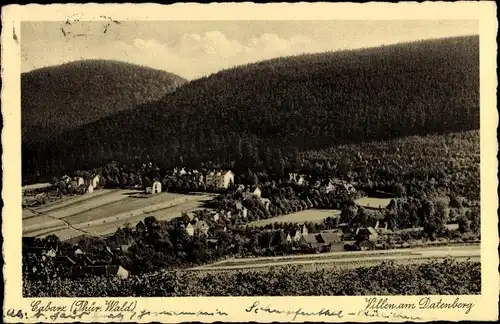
[[220, 172], [64, 259], [140, 225], [322, 238], [109, 270], [328, 237], [366, 231], [310, 238]]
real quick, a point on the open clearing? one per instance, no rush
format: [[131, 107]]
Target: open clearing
[[461, 252], [36, 186], [103, 211], [369, 202], [310, 215]]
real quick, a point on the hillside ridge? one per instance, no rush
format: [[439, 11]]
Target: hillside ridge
[[259, 111], [59, 98]]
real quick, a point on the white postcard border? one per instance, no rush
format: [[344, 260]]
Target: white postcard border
[[485, 305]]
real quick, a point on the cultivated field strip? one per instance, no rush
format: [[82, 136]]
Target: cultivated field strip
[[310, 215], [102, 214], [97, 202], [340, 265], [128, 209], [69, 201], [165, 213], [341, 258]]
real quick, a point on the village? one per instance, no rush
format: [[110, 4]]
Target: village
[[296, 215]]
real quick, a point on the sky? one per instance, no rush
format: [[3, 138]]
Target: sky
[[193, 49]]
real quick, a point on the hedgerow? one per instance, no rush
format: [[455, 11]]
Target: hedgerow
[[446, 277]]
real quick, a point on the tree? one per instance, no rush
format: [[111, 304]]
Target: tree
[[151, 222], [348, 214], [442, 212], [463, 224], [475, 220]]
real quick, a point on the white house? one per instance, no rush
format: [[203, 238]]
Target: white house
[[95, 181], [266, 202], [79, 181], [329, 187], [257, 192], [154, 188], [297, 178], [298, 233], [121, 273], [220, 179], [66, 179], [190, 229]]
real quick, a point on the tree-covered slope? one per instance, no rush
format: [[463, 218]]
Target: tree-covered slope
[[59, 98], [310, 101]]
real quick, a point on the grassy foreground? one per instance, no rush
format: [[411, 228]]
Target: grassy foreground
[[445, 277]]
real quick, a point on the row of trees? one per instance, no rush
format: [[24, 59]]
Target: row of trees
[[411, 167], [431, 278]]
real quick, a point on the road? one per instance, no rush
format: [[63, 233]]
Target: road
[[460, 253], [103, 211]]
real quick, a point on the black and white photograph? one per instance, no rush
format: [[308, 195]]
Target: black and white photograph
[[237, 158]]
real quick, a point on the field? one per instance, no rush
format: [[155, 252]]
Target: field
[[349, 259], [373, 202], [310, 215], [103, 211], [36, 186]]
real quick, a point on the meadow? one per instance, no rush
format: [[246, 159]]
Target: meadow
[[310, 215]]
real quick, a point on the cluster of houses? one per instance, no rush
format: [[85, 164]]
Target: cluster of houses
[[73, 262], [81, 185], [221, 179], [34, 195], [325, 241], [253, 192]]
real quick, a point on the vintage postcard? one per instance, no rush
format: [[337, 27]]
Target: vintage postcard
[[250, 162]]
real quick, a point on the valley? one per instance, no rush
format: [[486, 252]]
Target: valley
[[334, 168]]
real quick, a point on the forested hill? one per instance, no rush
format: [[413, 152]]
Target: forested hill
[[58, 98], [295, 103]]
